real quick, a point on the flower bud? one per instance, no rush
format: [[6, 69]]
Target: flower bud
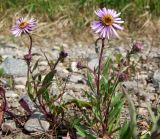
[[28, 57], [63, 54], [79, 65], [25, 105], [137, 47], [122, 76]]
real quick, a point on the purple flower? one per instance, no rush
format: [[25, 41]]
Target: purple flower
[[107, 24], [23, 26]]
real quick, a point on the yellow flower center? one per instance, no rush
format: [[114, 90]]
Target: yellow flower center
[[23, 25], [107, 20]]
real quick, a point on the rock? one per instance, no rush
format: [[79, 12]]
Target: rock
[[14, 104], [55, 89], [20, 87], [8, 126], [37, 122], [74, 66], [76, 78], [156, 78], [20, 80], [93, 63], [130, 84], [10, 93], [143, 111], [14, 67], [76, 87]]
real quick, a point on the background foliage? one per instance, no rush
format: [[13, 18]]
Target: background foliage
[[135, 12]]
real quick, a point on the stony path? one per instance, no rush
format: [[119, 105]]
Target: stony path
[[145, 86]]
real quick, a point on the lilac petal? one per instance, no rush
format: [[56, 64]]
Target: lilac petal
[[117, 15], [114, 32], [99, 29], [105, 11], [103, 33], [95, 25], [119, 22], [117, 26], [99, 13], [108, 32], [117, 19]]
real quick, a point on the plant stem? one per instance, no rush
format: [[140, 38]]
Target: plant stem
[[99, 67], [30, 46]]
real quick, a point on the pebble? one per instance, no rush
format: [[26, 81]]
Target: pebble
[[8, 126], [76, 78], [10, 93], [93, 63], [14, 67], [36, 122], [20, 80], [74, 66]]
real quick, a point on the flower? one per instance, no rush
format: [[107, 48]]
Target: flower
[[23, 26], [108, 23]]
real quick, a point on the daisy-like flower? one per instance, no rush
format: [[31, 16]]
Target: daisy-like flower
[[108, 23], [23, 26]]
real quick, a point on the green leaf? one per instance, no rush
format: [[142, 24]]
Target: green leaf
[[35, 65], [132, 112], [45, 95], [83, 133], [80, 103], [97, 113], [30, 90], [1, 72], [48, 78], [43, 89], [90, 83], [125, 131]]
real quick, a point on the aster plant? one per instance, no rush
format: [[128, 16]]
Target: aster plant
[[102, 111], [38, 89]]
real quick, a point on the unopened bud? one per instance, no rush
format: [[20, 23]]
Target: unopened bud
[[79, 65], [63, 54], [137, 47], [28, 57]]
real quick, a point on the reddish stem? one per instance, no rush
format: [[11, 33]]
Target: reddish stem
[[99, 67]]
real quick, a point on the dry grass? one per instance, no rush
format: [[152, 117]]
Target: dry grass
[[74, 17]]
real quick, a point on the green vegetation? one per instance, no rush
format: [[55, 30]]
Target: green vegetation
[[81, 11]]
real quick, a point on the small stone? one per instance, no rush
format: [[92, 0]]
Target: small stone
[[37, 122], [76, 78], [14, 67], [43, 63], [10, 93], [93, 63], [156, 78], [130, 84], [74, 66], [14, 104], [20, 87], [20, 80], [8, 126]]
